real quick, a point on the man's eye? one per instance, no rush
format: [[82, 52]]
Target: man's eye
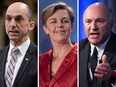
[[88, 21], [18, 19], [8, 18], [101, 20]]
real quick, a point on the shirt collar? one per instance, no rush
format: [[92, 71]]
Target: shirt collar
[[101, 47], [23, 47]]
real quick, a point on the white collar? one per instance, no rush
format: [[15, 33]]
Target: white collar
[[23, 47]]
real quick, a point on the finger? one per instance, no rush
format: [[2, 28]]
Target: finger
[[103, 65], [104, 59], [101, 70], [98, 75]]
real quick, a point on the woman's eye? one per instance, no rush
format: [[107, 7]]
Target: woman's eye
[[65, 21], [53, 22]]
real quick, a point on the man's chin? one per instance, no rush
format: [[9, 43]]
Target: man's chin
[[14, 38], [95, 42]]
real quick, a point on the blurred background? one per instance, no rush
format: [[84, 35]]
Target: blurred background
[[44, 40], [3, 7], [83, 4]]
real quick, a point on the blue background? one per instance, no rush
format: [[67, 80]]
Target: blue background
[[44, 40], [79, 7], [83, 4]]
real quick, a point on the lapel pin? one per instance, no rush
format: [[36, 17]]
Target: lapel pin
[[26, 59]]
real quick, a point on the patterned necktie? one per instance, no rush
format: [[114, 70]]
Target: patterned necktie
[[11, 67]]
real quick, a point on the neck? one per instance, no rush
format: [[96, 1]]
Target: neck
[[62, 49], [18, 42]]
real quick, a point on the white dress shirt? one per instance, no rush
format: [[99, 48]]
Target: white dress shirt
[[100, 50], [22, 48]]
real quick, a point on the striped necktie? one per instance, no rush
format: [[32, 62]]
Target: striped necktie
[[11, 67]]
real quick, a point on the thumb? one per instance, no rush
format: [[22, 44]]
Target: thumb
[[104, 59]]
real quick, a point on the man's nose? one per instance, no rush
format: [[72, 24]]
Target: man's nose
[[93, 25], [13, 23]]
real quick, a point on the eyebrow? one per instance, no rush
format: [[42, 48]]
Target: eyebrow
[[95, 19], [56, 18], [14, 16]]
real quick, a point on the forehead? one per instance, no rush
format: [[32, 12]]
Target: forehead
[[96, 11], [15, 10], [60, 14]]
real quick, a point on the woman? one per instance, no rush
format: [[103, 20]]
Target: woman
[[58, 67]]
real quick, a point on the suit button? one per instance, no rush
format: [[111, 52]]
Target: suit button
[[67, 62]]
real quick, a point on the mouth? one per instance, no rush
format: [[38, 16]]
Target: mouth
[[60, 31], [94, 35], [14, 33]]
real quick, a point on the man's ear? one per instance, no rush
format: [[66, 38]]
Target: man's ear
[[45, 29], [31, 26]]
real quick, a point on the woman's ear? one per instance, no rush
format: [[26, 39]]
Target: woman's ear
[[45, 29]]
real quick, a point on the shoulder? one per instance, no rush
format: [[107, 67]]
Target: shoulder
[[4, 49], [82, 43], [33, 45], [45, 58], [46, 55], [3, 52], [32, 48], [112, 40], [113, 37], [74, 49]]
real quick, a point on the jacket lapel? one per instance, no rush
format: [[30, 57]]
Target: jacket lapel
[[26, 61], [109, 51], [66, 64], [44, 68], [83, 65]]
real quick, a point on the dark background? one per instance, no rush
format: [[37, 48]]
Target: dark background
[[3, 7]]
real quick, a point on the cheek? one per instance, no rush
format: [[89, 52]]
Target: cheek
[[6, 24], [68, 28], [86, 30], [6, 27], [50, 28], [24, 26], [103, 29]]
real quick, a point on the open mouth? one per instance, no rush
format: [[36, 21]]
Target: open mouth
[[94, 35]]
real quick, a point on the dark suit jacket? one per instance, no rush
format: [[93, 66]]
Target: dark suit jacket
[[66, 76], [84, 52], [27, 74]]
